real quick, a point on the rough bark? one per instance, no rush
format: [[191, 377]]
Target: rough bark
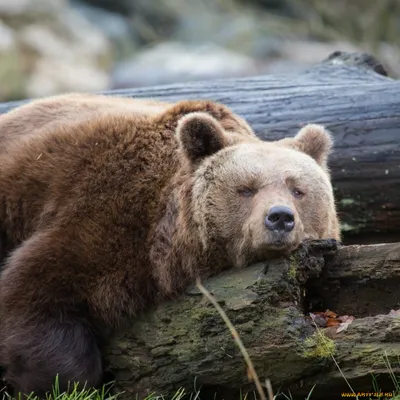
[[351, 96], [184, 343]]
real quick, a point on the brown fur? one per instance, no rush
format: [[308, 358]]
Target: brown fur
[[110, 205], [53, 112]]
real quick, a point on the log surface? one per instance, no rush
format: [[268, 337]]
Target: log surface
[[186, 344], [350, 95]]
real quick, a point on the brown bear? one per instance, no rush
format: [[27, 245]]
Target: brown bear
[[109, 206]]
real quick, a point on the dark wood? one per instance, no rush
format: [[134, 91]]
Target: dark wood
[[351, 96], [185, 342], [360, 280]]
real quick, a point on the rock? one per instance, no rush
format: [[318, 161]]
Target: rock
[[149, 21], [32, 8], [116, 6], [46, 47], [52, 76], [12, 77], [176, 62], [7, 37], [115, 27]]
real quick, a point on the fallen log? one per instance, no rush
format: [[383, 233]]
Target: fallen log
[[185, 343], [350, 94]]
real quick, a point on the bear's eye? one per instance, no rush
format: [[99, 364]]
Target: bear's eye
[[297, 193], [247, 192]]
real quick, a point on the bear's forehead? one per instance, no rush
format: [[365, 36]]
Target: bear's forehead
[[263, 156], [264, 163]]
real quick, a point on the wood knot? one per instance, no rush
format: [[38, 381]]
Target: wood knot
[[358, 59]]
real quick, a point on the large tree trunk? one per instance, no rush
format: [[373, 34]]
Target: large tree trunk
[[186, 340], [349, 94]]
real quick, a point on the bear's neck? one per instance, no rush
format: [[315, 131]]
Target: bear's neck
[[177, 253]]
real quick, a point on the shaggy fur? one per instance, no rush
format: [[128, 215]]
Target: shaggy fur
[[111, 205]]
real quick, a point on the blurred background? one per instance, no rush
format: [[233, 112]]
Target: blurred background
[[54, 46]]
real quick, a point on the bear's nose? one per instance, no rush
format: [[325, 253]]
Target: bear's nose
[[280, 218]]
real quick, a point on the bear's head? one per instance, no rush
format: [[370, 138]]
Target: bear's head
[[255, 199]]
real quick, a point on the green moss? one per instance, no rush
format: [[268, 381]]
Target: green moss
[[12, 76], [229, 286], [198, 314], [377, 355], [345, 227], [292, 268], [319, 346], [347, 202]]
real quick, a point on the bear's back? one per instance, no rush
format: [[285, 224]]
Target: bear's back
[[111, 167], [54, 112]]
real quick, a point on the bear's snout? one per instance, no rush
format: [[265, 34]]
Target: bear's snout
[[280, 219]]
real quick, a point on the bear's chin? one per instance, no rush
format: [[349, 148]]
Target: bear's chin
[[272, 248], [276, 245], [279, 241]]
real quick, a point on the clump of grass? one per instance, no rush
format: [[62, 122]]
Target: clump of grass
[[80, 393], [180, 394], [77, 393]]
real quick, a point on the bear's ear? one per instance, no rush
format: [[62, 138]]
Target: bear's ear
[[200, 136], [315, 141]]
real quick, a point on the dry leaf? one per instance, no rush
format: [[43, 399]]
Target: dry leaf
[[329, 318], [330, 314], [344, 325], [332, 322]]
